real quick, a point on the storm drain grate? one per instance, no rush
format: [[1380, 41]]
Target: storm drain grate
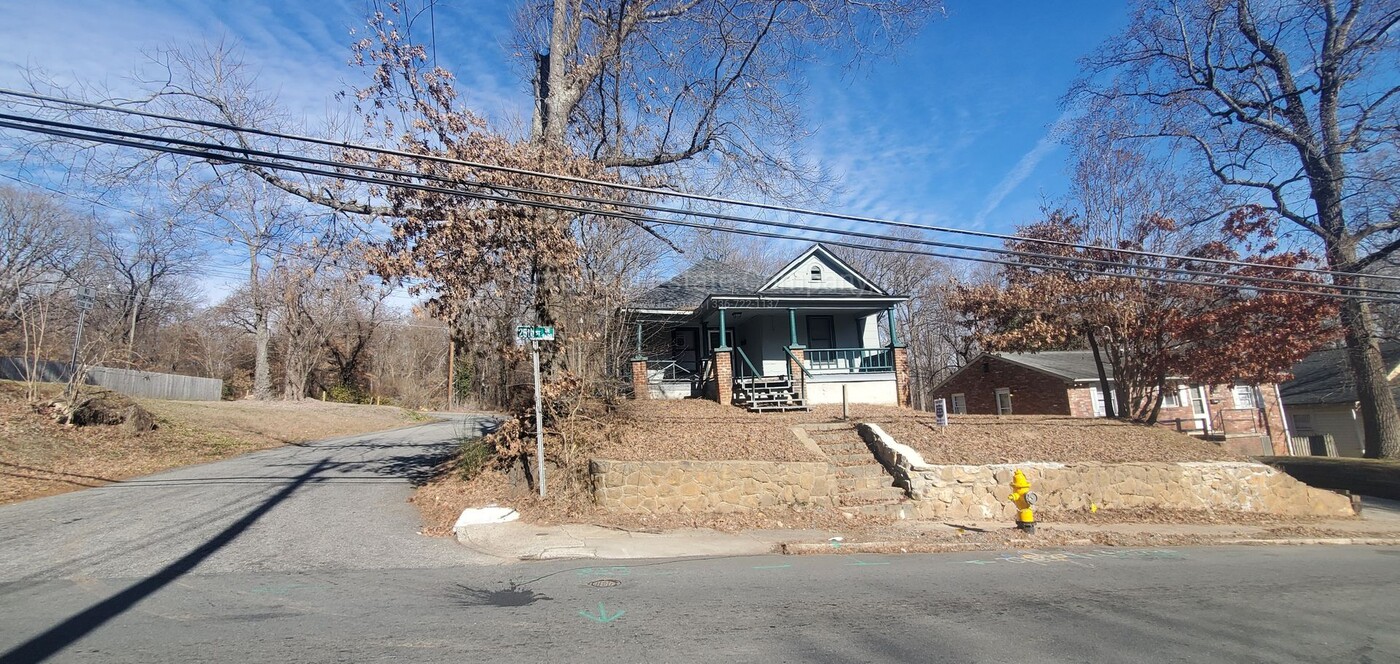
[[605, 583]]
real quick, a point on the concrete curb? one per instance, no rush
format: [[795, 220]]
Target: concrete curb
[[895, 547]]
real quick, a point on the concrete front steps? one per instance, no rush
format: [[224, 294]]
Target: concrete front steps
[[864, 487]]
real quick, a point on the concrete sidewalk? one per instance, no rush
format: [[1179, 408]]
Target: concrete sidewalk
[[505, 542]]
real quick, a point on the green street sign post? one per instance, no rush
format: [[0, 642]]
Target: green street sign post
[[535, 334]]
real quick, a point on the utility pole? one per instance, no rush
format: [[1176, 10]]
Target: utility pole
[[451, 371], [85, 297]]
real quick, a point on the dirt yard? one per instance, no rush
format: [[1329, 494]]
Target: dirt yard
[[696, 430], [39, 457], [983, 439]]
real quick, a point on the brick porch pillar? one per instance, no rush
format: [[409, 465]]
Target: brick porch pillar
[[641, 383], [901, 375], [795, 364], [724, 377]]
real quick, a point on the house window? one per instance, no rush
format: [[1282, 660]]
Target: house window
[[816, 273], [1244, 396], [1003, 401], [1171, 398], [1097, 395], [1302, 423], [959, 404]]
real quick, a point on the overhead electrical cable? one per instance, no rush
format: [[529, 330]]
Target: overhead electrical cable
[[221, 154], [609, 202], [662, 192]]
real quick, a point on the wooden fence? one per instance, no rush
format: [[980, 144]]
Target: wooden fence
[[148, 384]]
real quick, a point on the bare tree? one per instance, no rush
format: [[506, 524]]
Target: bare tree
[[1290, 103], [41, 242], [146, 259]]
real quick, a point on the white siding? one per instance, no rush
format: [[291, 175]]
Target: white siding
[[1340, 421], [801, 276]]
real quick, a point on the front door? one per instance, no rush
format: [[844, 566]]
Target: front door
[[1200, 408], [821, 332], [685, 351]]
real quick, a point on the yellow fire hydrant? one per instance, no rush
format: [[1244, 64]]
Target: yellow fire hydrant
[[1023, 498]]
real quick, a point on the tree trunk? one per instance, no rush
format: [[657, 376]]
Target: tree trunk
[[1104, 387], [262, 374], [1379, 416]]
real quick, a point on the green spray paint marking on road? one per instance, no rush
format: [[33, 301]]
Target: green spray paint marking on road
[[602, 616], [862, 563], [771, 566]]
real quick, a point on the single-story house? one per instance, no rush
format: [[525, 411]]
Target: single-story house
[[816, 331], [1321, 401], [1247, 418]]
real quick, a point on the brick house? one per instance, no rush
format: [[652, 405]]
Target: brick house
[[1247, 418]]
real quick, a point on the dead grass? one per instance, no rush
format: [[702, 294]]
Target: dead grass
[[39, 457], [698, 430], [984, 439]]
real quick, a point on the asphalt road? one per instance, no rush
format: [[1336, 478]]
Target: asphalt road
[[309, 554]]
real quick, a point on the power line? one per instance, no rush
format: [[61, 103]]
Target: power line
[[233, 158], [598, 201], [345, 145]]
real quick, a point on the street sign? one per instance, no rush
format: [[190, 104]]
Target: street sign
[[534, 333], [940, 412], [85, 298]]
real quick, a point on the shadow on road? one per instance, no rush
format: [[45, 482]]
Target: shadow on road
[[69, 631]]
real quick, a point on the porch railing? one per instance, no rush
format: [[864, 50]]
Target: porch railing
[[849, 360], [668, 371], [739, 368]]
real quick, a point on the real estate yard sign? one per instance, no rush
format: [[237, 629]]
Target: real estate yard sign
[[940, 412]]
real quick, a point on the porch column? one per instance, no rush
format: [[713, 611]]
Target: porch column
[[901, 375], [795, 362], [641, 383], [889, 317], [723, 340], [792, 325], [639, 355], [724, 376]]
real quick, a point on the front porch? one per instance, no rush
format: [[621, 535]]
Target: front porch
[[771, 355]]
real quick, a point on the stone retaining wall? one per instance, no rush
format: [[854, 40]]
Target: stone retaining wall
[[709, 486], [979, 492]]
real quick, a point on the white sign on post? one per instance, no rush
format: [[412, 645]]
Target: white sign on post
[[940, 412]]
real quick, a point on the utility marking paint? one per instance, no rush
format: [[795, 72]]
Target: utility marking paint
[[602, 616], [862, 563], [772, 566], [1043, 559]]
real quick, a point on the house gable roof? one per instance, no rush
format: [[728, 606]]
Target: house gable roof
[[707, 278], [1325, 377], [837, 276]]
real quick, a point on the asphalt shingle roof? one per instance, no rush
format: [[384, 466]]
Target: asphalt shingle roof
[[1068, 364], [689, 289], [1325, 377]]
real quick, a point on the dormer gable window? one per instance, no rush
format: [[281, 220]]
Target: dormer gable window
[[816, 273]]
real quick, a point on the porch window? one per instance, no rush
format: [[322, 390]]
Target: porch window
[[959, 404], [821, 332], [1003, 401]]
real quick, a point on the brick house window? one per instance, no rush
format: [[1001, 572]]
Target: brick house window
[[1003, 401], [1097, 394], [1171, 398], [1244, 396], [959, 404]]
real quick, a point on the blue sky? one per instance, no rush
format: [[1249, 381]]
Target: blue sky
[[954, 129]]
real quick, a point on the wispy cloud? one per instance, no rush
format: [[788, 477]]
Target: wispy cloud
[[1022, 170]]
